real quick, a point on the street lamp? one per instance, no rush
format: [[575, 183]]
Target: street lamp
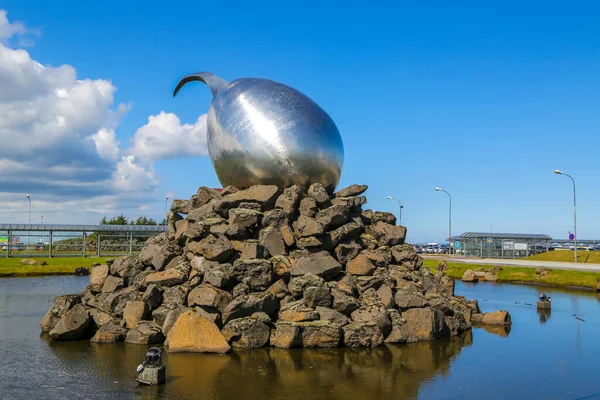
[[439, 189], [42, 220], [558, 172], [29, 198], [166, 200], [400, 209], [402, 222], [491, 225]]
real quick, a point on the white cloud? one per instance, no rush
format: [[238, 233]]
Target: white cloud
[[58, 141], [164, 137]]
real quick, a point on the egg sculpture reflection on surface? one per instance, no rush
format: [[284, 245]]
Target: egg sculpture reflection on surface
[[262, 132]]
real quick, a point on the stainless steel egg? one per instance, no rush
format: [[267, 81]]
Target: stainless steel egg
[[262, 132]]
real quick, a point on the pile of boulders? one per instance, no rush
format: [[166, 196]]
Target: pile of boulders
[[481, 274], [260, 266]]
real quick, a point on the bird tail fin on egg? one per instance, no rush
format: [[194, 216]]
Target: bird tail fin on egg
[[214, 82]]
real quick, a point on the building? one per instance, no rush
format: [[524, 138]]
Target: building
[[500, 245]]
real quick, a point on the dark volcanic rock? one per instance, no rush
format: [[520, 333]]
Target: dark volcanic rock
[[245, 306], [72, 325], [324, 266], [246, 333], [60, 306]]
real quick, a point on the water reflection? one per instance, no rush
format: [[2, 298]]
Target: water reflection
[[544, 314], [499, 330], [396, 371]]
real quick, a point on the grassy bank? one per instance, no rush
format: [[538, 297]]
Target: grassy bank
[[559, 278], [567, 256], [11, 267]]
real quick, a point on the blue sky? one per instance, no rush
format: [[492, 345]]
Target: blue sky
[[484, 99]]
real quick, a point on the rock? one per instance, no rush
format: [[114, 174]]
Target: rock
[[317, 296], [318, 192], [28, 261], [346, 251], [469, 276], [383, 216], [351, 202], [279, 289], [288, 201], [501, 317], [244, 217], [109, 333], [442, 266], [288, 235], [333, 217], [167, 278], [351, 191], [98, 276], [299, 284], [322, 334], [324, 266], [328, 314], [176, 295], [542, 271], [257, 274], [206, 295], [99, 318], [275, 218], [240, 289], [194, 333], [112, 284], [216, 249], [172, 317], [366, 334], [265, 195], [250, 206], [298, 312], [233, 232], [72, 325], [153, 296], [245, 306], [286, 335], [172, 220], [271, 238], [145, 332], [363, 283], [344, 232], [251, 250], [403, 253], [281, 266], [246, 333], [218, 275], [230, 189], [406, 300], [344, 303], [373, 313], [60, 306], [180, 206], [308, 207], [114, 303], [386, 234], [360, 265], [309, 243], [386, 296], [134, 312], [425, 324], [307, 226], [203, 196]]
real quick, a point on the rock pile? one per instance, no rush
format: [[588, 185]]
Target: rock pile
[[257, 267]]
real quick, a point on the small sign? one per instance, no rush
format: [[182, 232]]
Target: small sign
[[571, 236], [457, 245], [489, 240]]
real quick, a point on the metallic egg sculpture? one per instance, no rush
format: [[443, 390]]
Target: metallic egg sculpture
[[262, 132]]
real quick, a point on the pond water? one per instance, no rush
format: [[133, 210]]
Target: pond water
[[544, 356]]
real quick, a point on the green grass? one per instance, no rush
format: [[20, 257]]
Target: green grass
[[11, 267], [555, 277], [568, 256]]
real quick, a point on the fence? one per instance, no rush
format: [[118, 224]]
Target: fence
[[24, 240]]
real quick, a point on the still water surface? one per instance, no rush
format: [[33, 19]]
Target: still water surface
[[544, 356]]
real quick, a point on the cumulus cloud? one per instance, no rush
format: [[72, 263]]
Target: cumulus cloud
[[58, 135], [164, 137]]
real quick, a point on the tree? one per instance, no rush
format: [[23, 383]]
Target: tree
[[120, 220], [144, 221]]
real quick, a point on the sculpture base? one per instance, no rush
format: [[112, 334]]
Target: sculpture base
[[544, 305], [153, 376]]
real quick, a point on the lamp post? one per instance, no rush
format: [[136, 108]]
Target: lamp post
[[166, 200], [558, 172], [402, 222], [399, 209], [439, 189], [29, 199], [491, 225], [42, 220]]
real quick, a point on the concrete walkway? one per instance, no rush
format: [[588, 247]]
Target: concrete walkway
[[519, 263]]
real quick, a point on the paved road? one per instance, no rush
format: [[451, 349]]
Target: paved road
[[519, 263]]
